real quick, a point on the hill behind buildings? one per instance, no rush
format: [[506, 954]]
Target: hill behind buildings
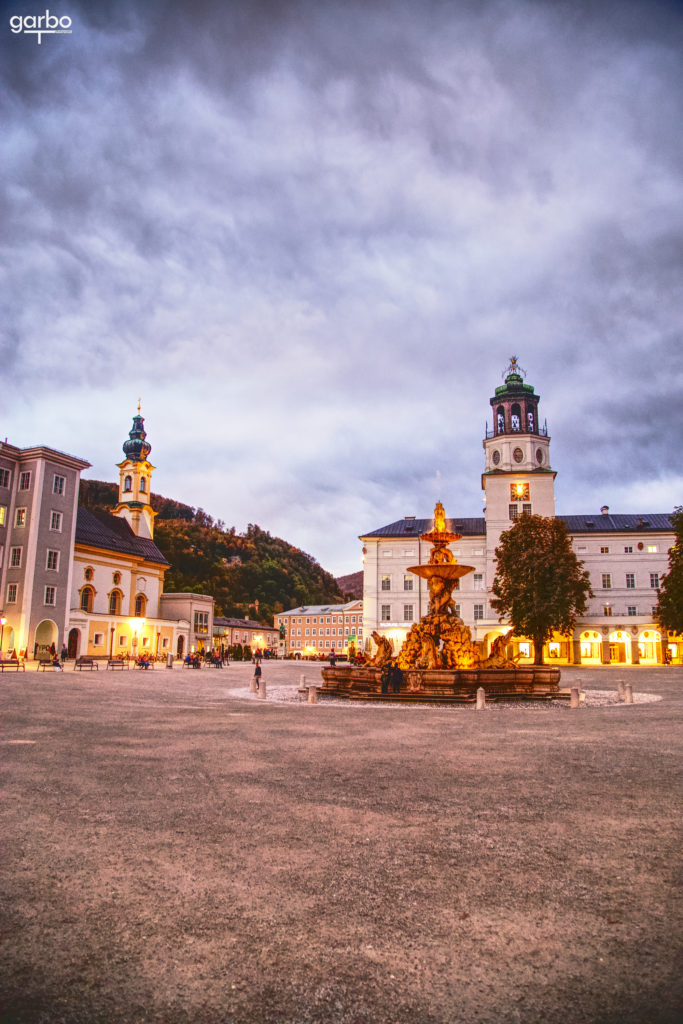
[[249, 573]]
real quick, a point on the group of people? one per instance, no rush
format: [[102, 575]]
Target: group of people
[[391, 677]]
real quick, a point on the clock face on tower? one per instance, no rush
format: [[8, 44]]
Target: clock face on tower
[[518, 455]]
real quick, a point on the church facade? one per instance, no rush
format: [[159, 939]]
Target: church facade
[[626, 555]]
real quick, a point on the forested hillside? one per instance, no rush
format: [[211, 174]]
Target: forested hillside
[[248, 574]]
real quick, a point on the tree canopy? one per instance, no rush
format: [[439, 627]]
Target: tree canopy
[[540, 585], [670, 604], [251, 573]]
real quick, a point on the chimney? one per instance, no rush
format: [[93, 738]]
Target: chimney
[[605, 510]]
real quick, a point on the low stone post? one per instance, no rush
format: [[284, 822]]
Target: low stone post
[[312, 694], [574, 697], [628, 696], [169, 661], [253, 686], [621, 693], [481, 698], [262, 688]]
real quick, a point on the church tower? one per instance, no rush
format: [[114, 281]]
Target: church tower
[[517, 477], [135, 481]]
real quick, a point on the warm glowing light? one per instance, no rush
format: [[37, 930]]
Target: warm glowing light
[[3, 620], [258, 642], [520, 489], [137, 625]]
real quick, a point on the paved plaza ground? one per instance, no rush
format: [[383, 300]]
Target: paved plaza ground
[[176, 851]]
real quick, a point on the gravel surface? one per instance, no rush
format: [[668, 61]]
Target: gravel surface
[[176, 850]]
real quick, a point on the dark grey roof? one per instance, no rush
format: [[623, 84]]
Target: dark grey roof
[[104, 530], [608, 523], [597, 523], [221, 620], [414, 527]]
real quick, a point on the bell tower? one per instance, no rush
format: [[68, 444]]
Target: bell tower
[[517, 477], [135, 481]]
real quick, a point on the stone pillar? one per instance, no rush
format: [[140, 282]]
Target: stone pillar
[[605, 655], [574, 697], [253, 688], [481, 698], [635, 651], [621, 692], [576, 650], [628, 699], [262, 688], [312, 694]]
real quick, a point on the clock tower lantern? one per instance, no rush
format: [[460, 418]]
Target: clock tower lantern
[[135, 481], [517, 477]]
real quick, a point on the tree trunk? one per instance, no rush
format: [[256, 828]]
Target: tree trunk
[[538, 651]]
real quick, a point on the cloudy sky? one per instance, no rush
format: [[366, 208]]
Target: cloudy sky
[[311, 234]]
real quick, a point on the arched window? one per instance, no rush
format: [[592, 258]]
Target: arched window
[[140, 606], [515, 417], [500, 420], [128, 483], [89, 573], [87, 595], [530, 421], [143, 485], [115, 602]]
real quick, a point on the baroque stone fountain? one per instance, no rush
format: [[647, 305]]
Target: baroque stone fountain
[[439, 661]]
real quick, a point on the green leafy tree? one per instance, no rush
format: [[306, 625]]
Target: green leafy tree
[[540, 585], [670, 604]]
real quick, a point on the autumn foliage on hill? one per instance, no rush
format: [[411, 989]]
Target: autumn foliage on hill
[[236, 569]]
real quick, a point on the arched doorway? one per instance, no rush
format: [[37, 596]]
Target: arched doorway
[[181, 646], [619, 648], [73, 643], [46, 635]]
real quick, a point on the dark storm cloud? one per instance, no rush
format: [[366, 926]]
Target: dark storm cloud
[[311, 234]]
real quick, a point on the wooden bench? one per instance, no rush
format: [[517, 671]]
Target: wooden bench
[[45, 664], [90, 663], [12, 664], [117, 663]]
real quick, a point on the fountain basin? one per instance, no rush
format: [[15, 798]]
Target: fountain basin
[[446, 686]]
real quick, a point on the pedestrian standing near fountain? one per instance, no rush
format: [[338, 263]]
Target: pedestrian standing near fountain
[[257, 677]]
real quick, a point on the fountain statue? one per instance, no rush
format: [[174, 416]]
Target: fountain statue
[[438, 659]]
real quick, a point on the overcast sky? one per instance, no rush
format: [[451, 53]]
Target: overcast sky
[[310, 235]]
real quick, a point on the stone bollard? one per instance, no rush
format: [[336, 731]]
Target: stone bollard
[[169, 661], [262, 688], [628, 696], [574, 696], [621, 693], [481, 698], [253, 686], [312, 694], [302, 684]]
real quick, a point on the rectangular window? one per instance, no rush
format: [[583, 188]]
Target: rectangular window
[[607, 581], [513, 511], [164, 642], [652, 549], [50, 593], [607, 610], [52, 561], [457, 610], [24, 481], [387, 553], [98, 640], [20, 517], [632, 610], [56, 521], [386, 582], [604, 551], [407, 582], [630, 581], [307, 632], [58, 484], [313, 631], [628, 550], [15, 557], [478, 581], [526, 510], [201, 622], [478, 612], [123, 640], [3, 514], [4, 477], [654, 580], [386, 613], [11, 593], [407, 613]]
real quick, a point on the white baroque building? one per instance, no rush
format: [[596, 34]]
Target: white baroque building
[[626, 555]]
